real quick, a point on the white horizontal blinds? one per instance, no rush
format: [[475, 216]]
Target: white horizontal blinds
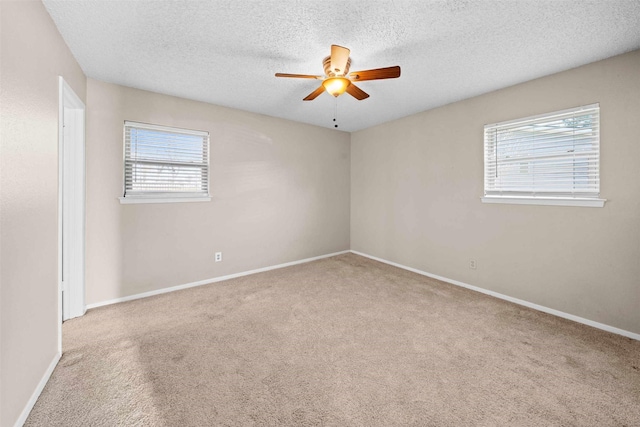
[[162, 161], [552, 155]]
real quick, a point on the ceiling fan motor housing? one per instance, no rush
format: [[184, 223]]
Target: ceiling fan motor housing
[[326, 63]]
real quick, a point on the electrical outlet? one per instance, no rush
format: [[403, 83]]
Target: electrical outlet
[[218, 256], [472, 264]]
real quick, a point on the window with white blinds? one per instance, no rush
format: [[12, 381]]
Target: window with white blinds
[[550, 157], [165, 163]]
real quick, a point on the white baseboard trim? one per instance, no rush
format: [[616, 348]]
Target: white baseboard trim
[[36, 393], [207, 281], [542, 308]]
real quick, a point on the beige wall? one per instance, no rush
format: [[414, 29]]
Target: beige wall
[[33, 56], [417, 182], [280, 192]]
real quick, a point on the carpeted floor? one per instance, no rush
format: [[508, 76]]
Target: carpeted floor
[[343, 341]]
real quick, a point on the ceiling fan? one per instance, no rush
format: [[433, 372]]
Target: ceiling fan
[[337, 79]]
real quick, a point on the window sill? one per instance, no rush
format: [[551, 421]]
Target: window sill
[[550, 201], [134, 200]]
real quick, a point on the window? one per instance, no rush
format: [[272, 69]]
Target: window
[[164, 164], [549, 159]]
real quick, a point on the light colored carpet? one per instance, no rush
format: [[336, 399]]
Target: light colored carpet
[[343, 341]]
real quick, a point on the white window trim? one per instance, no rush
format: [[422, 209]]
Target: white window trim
[[131, 200], [164, 198], [549, 200]]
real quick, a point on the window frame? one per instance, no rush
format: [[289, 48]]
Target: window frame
[[166, 197], [547, 198]]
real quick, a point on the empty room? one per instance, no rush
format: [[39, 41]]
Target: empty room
[[295, 213]]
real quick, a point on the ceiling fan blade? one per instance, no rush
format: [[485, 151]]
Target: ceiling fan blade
[[313, 95], [339, 58], [356, 92], [377, 74], [299, 76]]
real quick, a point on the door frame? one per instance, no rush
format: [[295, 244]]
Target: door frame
[[71, 207]]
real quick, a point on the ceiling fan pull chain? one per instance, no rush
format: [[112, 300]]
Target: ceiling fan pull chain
[[335, 113]]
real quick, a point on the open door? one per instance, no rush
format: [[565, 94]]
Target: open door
[[71, 199]]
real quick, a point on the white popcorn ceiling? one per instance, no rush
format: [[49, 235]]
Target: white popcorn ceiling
[[226, 52]]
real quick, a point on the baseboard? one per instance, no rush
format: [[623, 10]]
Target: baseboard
[[36, 393], [528, 304], [207, 281]]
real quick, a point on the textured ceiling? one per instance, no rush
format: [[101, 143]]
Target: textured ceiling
[[227, 52]]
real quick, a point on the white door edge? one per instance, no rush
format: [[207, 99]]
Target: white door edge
[[71, 205]]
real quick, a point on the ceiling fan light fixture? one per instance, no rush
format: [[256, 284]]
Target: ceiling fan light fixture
[[336, 86]]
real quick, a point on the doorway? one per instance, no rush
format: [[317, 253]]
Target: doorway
[[71, 206]]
